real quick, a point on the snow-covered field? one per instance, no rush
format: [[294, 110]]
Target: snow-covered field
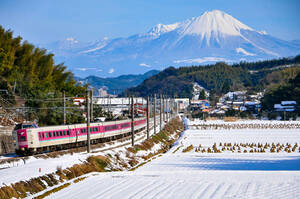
[[205, 175], [34, 167]]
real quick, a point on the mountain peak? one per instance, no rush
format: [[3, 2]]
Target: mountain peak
[[214, 22], [210, 23], [161, 28]]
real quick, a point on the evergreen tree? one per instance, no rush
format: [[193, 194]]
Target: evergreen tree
[[202, 95]]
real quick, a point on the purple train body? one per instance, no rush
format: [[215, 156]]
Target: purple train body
[[33, 139]]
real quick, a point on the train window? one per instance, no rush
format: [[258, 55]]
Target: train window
[[84, 130], [18, 126], [64, 133], [46, 135], [61, 134], [50, 135], [125, 125], [43, 135], [57, 133], [81, 130], [97, 129], [68, 132]]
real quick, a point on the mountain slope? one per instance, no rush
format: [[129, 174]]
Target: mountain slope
[[219, 78], [214, 36], [116, 85]]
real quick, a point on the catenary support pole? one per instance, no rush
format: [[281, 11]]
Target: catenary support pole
[[92, 115], [148, 117], [64, 101], [88, 121], [164, 116], [154, 113], [132, 121], [167, 109], [160, 113]]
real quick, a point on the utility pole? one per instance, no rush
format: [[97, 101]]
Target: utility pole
[[167, 109], [92, 115], [154, 113], [132, 121], [148, 117], [88, 121], [164, 116], [64, 111], [108, 101], [160, 113], [129, 99]]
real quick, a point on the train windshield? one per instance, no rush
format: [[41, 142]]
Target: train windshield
[[22, 138], [26, 126]]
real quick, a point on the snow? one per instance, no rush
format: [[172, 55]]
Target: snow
[[213, 22], [243, 51], [161, 28], [213, 34], [192, 184], [204, 175], [263, 32], [262, 122], [24, 170], [94, 49], [202, 60], [288, 102]]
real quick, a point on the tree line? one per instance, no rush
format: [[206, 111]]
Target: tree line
[[31, 73]]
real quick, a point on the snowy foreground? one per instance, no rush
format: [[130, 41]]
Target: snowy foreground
[[205, 175]]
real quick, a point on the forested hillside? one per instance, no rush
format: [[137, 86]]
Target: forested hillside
[[31, 73], [116, 85], [218, 78], [283, 91]]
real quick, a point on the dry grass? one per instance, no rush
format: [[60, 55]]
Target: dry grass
[[79, 179], [52, 191], [187, 149], [250, 148], [177, 149], [93, 164], [230, 119]]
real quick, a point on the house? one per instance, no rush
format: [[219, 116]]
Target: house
[[286, 106]]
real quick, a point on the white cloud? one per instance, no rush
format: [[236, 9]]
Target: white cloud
[[111, 71], [145, 65], [72, 40], [85, 69]]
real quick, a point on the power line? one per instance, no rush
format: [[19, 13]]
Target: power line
[[41, 99], [57, 107]]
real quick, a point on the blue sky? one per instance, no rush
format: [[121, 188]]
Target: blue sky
[[43, 21]]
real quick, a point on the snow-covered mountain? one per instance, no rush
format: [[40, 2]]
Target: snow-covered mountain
[[212, 37]]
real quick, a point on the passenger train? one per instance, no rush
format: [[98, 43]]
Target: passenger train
[[30, 139]]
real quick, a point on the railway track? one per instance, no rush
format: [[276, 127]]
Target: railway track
[[141, 135]]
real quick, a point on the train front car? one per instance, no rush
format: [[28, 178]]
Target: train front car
[[21, 138]]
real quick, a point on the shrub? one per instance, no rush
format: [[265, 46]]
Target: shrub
[[189, 148], [208, 150]]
